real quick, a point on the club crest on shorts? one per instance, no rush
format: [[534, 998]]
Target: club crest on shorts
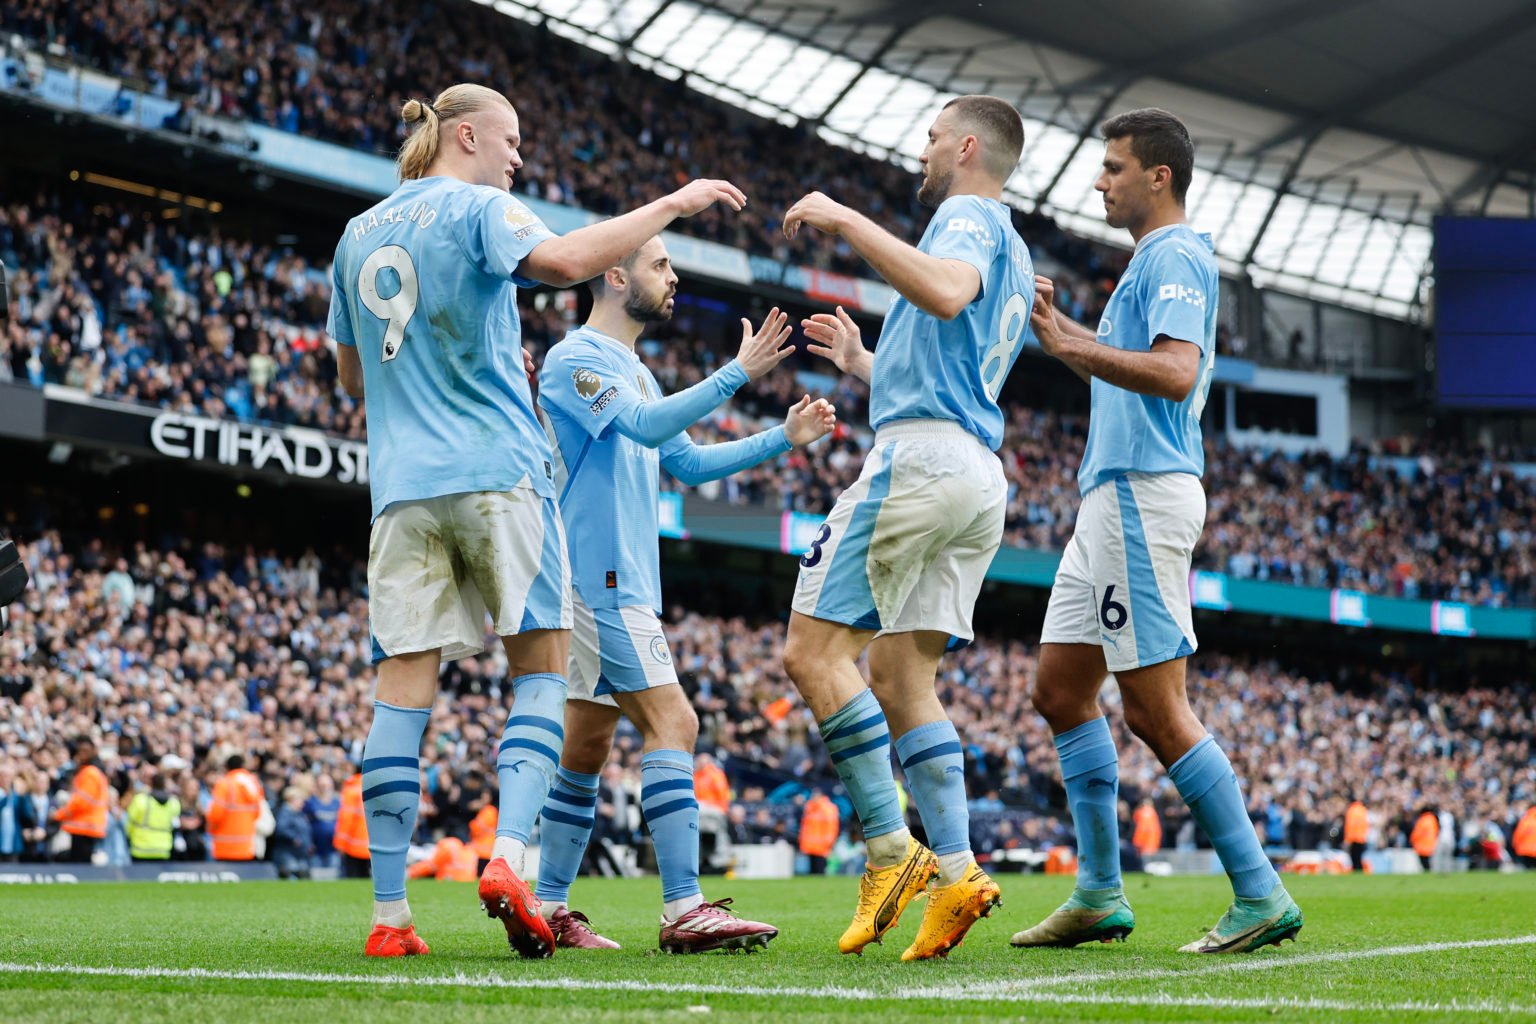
[[659, 650]]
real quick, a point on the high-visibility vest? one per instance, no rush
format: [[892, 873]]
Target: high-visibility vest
[[818, 827], [1426, 833], [237, 800], [86, 812], [711, 787], [1147, 836], [1356, 823], [151, 826], [1523, 842], [351, 826], [452, 861], [482, 832]]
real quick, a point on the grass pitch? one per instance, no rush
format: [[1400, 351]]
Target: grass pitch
[[1390, 948]]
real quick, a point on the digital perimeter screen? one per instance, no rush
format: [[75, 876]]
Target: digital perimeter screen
[[1485, 312]]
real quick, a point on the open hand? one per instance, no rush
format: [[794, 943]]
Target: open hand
[[763, 350], [809, 421], [702, 193]]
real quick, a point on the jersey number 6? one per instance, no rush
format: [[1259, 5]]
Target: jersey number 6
[[397, 310]]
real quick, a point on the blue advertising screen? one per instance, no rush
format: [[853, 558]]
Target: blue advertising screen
[[1485, 312]]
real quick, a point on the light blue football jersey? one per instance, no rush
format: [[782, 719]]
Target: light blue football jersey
[[1170, 288], [927, 368], [608, 483], [424, 285]]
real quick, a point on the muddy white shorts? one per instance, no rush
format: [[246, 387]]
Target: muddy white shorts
[[437, 566], [907, 547]]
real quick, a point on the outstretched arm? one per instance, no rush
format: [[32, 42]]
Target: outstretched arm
[[565, 260], [653, 423], [941, 287], [695, 464]]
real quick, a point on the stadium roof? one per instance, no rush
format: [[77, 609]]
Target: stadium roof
[[1329, 132]]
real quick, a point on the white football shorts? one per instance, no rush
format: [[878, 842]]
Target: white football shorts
[[906, 548], [437, 566], [1123, 583]]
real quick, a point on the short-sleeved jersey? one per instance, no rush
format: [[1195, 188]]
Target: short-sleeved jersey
[[424, 285], [1169, 290], [927, 368], [607, 483]]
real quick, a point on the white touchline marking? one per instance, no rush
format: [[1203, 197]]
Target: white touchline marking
[[1027, 990], [1202, 965]]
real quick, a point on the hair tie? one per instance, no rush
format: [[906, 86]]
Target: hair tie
[[429, 106]]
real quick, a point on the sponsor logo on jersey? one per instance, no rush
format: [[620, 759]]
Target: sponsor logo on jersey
[[603, 401], [1181, 293], [588, 383], [970, 227]]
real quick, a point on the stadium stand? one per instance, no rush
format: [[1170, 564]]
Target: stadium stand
[[122, 306], [176, 657]]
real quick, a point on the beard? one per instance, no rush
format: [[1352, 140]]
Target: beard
[[935, 188], [647, 310]]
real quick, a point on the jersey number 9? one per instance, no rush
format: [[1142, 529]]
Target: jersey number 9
[[396, 310]]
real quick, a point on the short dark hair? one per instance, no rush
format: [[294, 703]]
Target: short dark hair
[[998, 124], [1158, 139], [599, 283], [234, 762]]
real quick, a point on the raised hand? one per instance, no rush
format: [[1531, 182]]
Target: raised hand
[[836, 337], [764, 349], [809, 421], [702, 193], [818, 211]]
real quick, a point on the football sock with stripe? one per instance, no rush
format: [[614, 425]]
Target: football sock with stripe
[[391, 795], [859, 742], [1090, 770], [672, 814], [565, 828], [1205, 780], [526, 760], [931, 757]]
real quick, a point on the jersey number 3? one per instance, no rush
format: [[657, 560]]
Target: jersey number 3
[[397, 309], [1010, 331]]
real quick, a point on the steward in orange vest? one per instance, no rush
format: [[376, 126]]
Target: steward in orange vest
[[1523, 842], [84, 816], [710, 786], [236, 805], [1147, 836], [818, 831], [351, 839], [1357, 826], [451, 861], [1425, 836], [482, 832]]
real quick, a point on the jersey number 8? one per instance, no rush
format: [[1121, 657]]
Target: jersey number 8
[[1010, 331], [396, 310]]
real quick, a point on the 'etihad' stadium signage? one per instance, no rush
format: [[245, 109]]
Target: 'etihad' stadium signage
[[297, 451]]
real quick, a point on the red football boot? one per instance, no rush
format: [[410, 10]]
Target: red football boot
[[387, 941], [506, 897]]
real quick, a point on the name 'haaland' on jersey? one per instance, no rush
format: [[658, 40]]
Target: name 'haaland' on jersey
[[417, 213]]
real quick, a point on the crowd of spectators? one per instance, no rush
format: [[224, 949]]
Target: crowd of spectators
[[174, 660], [597, 133], [122, 305]]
